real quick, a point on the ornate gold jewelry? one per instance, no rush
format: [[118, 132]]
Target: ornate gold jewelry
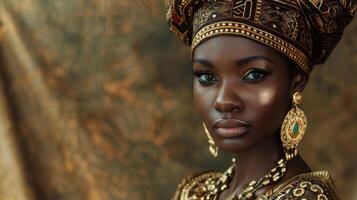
[[293, 127], [273, 176], [210, 185], [213, 149]]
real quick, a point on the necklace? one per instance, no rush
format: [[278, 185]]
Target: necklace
[[247, 193]]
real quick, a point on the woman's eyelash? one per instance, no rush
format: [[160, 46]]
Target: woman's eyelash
[[205, 78], [257, 71], [197, 73], [255, 75]]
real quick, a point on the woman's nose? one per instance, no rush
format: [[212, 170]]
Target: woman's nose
[[228, 100]]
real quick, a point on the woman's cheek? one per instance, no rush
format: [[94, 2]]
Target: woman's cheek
[[271, 105], [267, 96], [203, 99], [268, 104], [199, 99]]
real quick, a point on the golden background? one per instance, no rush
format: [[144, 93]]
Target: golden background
[[95, 103]]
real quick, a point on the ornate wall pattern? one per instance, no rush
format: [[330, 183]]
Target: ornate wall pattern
[[95, 103]]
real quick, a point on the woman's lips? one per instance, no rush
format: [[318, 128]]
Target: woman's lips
[[230, 128]]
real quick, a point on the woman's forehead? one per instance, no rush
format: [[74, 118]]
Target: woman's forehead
[[225, 47]]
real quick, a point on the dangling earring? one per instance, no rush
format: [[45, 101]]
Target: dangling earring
[[213, 149], [293, 128]]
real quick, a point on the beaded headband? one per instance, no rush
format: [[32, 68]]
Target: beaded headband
[[306, 31]]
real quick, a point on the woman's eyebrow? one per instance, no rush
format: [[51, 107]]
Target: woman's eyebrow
[[203, 62], [252, 58], [239, 62]]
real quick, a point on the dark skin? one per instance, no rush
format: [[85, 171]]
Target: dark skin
[[237, 78]]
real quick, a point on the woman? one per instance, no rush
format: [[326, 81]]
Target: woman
[[251, 62]]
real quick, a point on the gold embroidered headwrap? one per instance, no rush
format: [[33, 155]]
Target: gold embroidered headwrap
[[304, 30]]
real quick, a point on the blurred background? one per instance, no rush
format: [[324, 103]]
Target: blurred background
[[95, 103]]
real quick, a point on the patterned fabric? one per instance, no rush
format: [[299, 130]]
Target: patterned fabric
[[305, 31], [313, 186]]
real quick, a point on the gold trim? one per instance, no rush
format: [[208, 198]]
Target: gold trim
[[185, 187], [237, 28], [258, 10]]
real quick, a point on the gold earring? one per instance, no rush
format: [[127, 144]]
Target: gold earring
[[293, 127], [213, 149]]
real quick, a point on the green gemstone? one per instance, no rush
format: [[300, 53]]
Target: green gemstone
[[295, 128]]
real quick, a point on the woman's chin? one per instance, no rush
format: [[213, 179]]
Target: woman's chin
[[234, 145]]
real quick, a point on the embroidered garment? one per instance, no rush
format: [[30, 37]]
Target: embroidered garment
[[310, 186]]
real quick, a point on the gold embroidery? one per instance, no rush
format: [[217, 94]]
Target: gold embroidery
[[243, 8], [298, 192], [315, 185], [236, 28]]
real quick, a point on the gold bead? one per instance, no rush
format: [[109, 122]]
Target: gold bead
[[249, 195], [252, 183], [266, 182], [297, 98]]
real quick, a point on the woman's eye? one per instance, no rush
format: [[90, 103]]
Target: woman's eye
[[206, 78], [254, 75]]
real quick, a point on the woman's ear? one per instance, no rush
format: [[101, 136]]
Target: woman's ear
[[299, 80]]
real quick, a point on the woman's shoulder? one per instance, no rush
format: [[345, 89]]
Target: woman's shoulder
[[313, 185], [198, 185]]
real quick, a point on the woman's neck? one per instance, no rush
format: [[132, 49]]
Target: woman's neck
[[255, 163]]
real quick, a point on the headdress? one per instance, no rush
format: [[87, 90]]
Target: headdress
[[306, 31]]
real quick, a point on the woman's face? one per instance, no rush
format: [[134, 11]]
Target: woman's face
[[242, 90]]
